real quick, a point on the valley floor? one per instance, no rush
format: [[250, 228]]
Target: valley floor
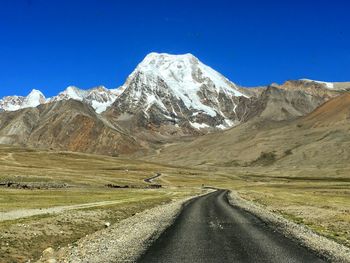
[[319, 199]]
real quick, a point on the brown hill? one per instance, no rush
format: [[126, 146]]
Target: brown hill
[[333, 112], [65, 125], [279, 104]]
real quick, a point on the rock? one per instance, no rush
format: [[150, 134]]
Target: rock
[[107, 224], [48, 256]]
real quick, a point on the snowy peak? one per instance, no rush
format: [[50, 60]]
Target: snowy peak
[[34, 99], [166, 62], [13, 103], [70, 92], [100, 98], [184, 72], [180, 85]]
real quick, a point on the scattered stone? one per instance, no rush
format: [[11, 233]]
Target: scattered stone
[[48, 256]]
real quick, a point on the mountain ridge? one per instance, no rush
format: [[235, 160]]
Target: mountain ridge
[[180, 73], [100, 98], [65, 125], [166, 99]]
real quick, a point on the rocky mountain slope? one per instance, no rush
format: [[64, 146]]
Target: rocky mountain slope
[[321, 138], [326, 90], [65, 125], [279, 104], [181, 92]]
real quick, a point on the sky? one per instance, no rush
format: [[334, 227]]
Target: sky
[[51, 44]]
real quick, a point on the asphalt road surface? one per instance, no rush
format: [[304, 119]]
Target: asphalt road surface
[[150, 180], [209, 229]]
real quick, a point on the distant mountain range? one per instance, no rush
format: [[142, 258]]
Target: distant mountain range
[[99, 98], [165, 99]]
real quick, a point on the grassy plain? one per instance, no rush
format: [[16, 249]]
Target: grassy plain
[[86, 177], [318, 198]]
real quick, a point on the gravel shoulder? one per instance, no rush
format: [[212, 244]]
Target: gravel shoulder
[[121, 242], [328, 249]]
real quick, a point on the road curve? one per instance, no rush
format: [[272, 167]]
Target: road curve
[[150, 179], [209, 229]]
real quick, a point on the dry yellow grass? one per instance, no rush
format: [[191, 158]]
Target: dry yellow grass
[[319, 198], [86, 175]]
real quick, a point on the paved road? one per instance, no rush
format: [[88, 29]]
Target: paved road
[[150, 180], [210, 230]]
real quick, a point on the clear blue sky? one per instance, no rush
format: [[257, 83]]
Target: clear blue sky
[[48, 44]]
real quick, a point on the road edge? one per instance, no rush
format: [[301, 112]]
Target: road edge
[[322, 246], [125, 241]]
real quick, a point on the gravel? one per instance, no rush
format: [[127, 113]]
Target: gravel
[[326, 248]]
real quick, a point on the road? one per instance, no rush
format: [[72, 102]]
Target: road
[[150, 179], [209, 229]]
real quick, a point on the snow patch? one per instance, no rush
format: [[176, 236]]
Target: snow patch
[[329, 85], [221, 127], [101, 106], [151, 99], [198, 126], [229, 123]]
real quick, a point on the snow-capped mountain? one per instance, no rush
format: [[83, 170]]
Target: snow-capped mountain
[[181, 89], [175, 94], [166, 98], [13, 103], [99, 98]]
